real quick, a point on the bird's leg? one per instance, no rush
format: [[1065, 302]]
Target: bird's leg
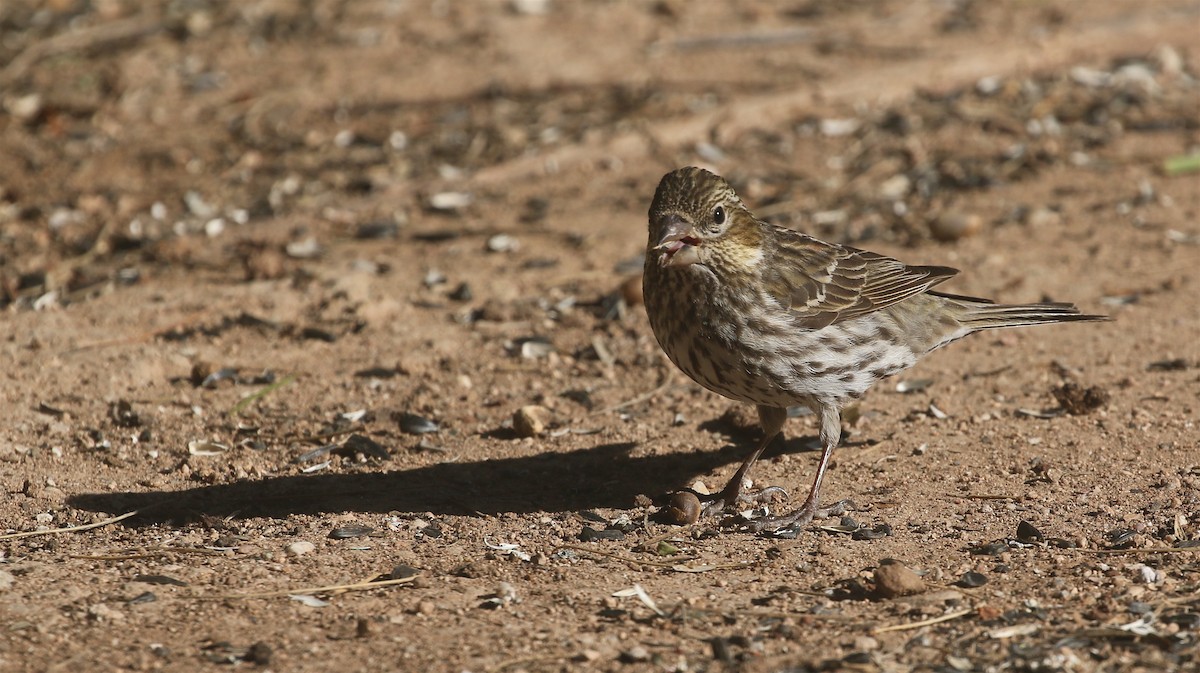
[[731, 497], [831, 434]]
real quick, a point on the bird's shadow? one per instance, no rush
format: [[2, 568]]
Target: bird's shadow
[[606, 475]]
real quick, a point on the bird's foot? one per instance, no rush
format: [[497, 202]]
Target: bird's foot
[[800, 518], [727, 503]]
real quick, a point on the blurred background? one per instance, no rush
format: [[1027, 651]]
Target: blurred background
[[322, 287]]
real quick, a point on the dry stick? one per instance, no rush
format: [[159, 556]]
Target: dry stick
[[82, 39], [150, 552], [69, 529], [652, 543], [669, 565], [333, 588], [304, 439], [509, 663], [666, 381], [148, 335], [1141, 550], [924, 622]]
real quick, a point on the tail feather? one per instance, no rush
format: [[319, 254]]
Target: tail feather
[[978, 315]]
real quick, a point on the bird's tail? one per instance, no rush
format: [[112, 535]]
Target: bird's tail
[[976, 314]]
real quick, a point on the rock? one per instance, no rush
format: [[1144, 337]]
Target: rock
[[7, 580], [953, 226], [300, 548], [893, 579], [631, 290], [635, 654], [1042, 218], [531, 420], [682, 509]]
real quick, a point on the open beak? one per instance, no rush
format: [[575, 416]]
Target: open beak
[[677, 247]]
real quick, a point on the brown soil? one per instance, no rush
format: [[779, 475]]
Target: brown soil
[[243, 245]]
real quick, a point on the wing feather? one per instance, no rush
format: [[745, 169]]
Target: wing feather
[[823, 283]]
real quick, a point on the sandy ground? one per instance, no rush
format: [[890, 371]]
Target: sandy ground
[[276, 277]]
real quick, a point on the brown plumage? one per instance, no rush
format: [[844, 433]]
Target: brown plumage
[[772, 317]]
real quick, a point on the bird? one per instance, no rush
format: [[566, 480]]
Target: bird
[[772, 317]]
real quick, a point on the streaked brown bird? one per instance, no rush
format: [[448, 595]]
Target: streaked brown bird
[[771, 317]]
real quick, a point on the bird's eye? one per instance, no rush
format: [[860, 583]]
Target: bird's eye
[[719, 215]]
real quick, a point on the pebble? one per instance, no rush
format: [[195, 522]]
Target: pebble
[[503, 243], [953, 226], [300, 548], [683, 508], [635, 654], [892, 579], [1044, 217], [895, 187], [531, 420], [450, 200], [7, 580], [26, 108], [631, 291]]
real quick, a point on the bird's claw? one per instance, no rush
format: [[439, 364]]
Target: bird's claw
[[799, 518], [725, 503]]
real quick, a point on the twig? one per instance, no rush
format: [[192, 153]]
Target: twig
[[192, 318], [652, 544], [666, 381], [151, 552], [521, 661], [237, 408], [1141, 550], [83, 39], [668, 565], [69, 529], [924, 622], [333, 588]]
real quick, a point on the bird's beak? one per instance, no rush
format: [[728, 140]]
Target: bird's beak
[[677, 246]]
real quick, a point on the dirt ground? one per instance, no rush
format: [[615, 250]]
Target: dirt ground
[[277, 276]]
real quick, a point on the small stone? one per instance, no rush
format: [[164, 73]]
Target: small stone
[[631, 291], [102, 612], [299, 548], [531, 7], [25, 108], [1027, 532], [895, 187], [635, 654], [953, 226], [531, 420], [1044, 218], [7, 580], [503, 243], [450, 201], [866, 644], [893, 579], [682, 509], [972, 580], [426, 608]]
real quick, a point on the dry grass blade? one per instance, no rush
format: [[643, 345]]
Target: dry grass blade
[[333, 588], [149, 552], [69, 529], [668, 565], [923, 622], [237, 408], [666, 381], [1142, 550]]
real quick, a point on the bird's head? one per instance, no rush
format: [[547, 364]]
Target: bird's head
[[697, 218]]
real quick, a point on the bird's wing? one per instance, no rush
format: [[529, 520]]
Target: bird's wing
[[822, 283]]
